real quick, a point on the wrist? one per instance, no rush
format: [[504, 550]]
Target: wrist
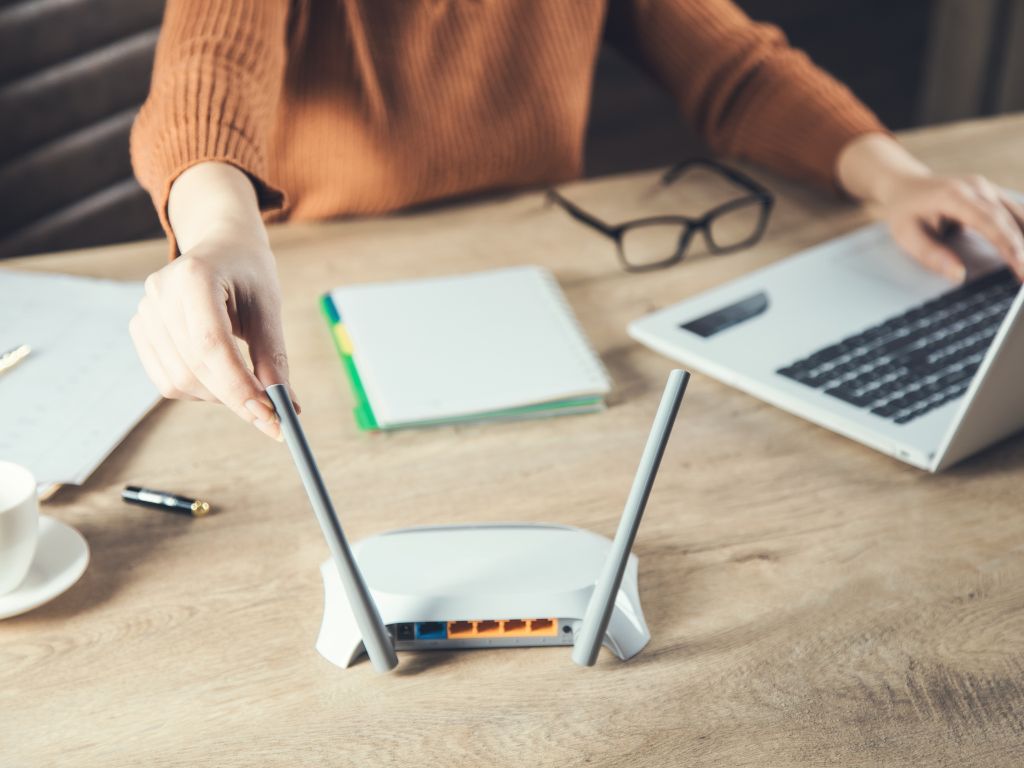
[[891, 184], [874, 167], [215, 201], [230, 234], [237, 258]]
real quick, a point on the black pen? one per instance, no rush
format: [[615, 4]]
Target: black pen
[[169, 502]]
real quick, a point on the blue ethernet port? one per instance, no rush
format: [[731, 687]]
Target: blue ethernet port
[[431, 630]]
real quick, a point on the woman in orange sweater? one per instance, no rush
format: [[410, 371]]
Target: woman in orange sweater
[[317, 108]]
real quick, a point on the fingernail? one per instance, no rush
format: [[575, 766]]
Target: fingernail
[[268, 428], [260, 411]]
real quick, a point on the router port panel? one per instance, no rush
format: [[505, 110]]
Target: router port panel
[[482, 633]]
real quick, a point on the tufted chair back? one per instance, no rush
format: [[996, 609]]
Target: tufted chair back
[[72, 75]]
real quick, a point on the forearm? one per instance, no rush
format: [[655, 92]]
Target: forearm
[[211, 200], [747, 92], [235, 50], [873, 166]]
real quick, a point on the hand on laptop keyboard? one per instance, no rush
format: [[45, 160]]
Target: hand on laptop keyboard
[[925, 208], [920, 207]]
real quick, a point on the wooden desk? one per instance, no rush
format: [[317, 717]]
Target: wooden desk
[[811, 602]]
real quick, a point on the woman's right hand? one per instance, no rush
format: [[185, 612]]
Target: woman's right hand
[[195, 308], [221, 289]]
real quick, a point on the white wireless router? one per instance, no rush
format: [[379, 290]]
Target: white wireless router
[[481, 586]]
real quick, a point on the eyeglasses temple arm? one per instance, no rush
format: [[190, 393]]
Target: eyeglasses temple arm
[[579, 214], [740, 178]]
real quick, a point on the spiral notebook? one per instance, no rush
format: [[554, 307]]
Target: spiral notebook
[[497, 345]]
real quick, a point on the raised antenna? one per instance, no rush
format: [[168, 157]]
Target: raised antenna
[[376, 638], [602, 599]]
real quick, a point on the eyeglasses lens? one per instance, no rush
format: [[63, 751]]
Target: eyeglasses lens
[[737, 226], [646, 245]]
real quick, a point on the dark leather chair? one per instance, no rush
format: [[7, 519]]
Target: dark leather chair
[[73, 73]]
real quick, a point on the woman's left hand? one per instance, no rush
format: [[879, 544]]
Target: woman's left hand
[[921, 206], [920, 209]]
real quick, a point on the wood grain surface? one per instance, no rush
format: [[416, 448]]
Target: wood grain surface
[[811, 602]]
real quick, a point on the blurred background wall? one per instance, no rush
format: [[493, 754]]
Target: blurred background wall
[[74, 72]]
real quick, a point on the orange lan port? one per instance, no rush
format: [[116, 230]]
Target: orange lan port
[[543, 627], [487, 628], [515, 628], [460, 629]]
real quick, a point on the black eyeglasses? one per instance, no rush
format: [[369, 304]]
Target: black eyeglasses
[[660, 241]]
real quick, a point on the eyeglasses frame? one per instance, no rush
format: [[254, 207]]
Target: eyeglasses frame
[[755, 192]]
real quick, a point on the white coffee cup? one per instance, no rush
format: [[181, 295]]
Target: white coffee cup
[[19, 524]]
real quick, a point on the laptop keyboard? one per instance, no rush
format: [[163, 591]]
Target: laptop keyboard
[[913, 363]]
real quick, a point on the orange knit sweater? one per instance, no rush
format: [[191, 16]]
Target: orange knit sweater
[[361, 106]]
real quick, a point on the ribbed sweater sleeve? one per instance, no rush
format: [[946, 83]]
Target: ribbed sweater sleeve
[[216, 80], [747, 92]]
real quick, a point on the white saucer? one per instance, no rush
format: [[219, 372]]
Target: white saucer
[[61, 558]]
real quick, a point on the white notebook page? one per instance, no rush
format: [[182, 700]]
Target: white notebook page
[[441, 348], [74, 398]]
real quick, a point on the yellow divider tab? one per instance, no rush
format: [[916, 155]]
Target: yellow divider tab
[[343, 339]]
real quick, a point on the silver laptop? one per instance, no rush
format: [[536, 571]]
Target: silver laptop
[[856, 337]]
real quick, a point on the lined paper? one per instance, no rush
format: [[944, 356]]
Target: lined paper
[[82, 389]]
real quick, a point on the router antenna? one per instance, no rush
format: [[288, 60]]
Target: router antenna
[[375, 637], [602, 600]]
